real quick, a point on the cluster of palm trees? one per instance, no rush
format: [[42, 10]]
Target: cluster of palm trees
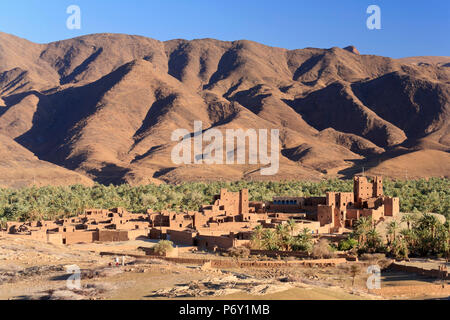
[[369, 239], [425, 235], [48, 203], [282, 238]]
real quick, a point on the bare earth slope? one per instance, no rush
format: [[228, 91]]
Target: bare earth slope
[[105, 106], [19, 167]]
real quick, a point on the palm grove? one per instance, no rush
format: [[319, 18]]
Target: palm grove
[[424, 235]]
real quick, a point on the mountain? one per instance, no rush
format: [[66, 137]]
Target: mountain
[[20, 168], [103, 108]]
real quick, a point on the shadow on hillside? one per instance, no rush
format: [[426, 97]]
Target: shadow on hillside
[[372, 162], [110, 174]]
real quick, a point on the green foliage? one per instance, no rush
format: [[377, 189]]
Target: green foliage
[[428, 236], [424, 236], [424, 195], [432, 195], [322, 249], [281, 238], [163, 247], [304, 241], [347, 244]]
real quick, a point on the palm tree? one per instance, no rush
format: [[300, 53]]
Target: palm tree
[[363, 225], [392, 229], [303, 242], [270, 240], [283, 236], [257, 236], [373, 240], [409, 219], [292, 224]]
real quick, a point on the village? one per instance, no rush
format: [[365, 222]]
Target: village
[[229, 222], [214, 247]]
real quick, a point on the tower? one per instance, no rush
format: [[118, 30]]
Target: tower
[[377, 186]]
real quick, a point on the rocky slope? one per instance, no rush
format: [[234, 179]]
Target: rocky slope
[[103, 107]]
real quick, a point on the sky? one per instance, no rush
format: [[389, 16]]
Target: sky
[[408, 28]]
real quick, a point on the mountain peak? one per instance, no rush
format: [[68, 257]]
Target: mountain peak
[[352, 49]]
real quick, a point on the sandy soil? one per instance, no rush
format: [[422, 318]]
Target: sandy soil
[[35, 270]]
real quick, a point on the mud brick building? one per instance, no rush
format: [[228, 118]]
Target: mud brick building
[[93, 225], [228, 222], [342, 209]]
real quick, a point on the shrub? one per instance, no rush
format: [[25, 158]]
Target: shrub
[[322, 250], [372, 257], [163, 247], [239, 252], [347, 244]]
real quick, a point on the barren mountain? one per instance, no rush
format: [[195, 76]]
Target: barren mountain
[[103, 107]]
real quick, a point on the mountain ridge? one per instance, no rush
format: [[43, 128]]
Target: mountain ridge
[[104, 106]]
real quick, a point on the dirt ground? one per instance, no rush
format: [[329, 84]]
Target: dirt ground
[[36, 270]]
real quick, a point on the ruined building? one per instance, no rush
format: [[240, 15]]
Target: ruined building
[[228, 222], [342, 209]]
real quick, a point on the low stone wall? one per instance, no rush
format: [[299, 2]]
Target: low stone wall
[[271, 253], [275, 264], [418, 290], [229, 263], [171, 254], [432, 273], [297, 254]]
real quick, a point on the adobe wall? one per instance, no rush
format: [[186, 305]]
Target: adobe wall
[[391, 206], [200, 219], [413, 290], [233, 203], [314, 201], [287, 216], [79, 237], [253, 217], [432, 273], [226, 263], [340, 199], [209, 242], [157, 233], [112, 235], [182, 237], [314, 226], [285, 208], [136, 233], [325, 215], [274, 253], [40, 235], [11, 226], [363, 189], [55, 238], [228, 227]]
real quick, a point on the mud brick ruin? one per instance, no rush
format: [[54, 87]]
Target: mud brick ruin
[[93, 225], [228, 222]]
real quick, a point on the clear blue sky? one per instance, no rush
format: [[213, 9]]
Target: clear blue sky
[[409, 28]]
